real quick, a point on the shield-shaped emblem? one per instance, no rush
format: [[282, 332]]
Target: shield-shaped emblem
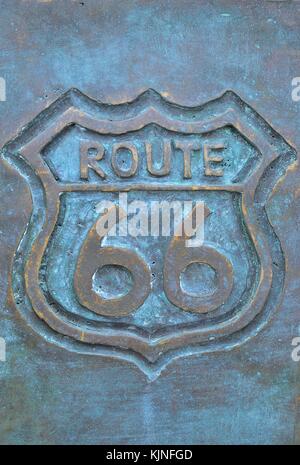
[[147, 298]]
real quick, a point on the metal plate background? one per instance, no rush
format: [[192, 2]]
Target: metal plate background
[[190, 52]]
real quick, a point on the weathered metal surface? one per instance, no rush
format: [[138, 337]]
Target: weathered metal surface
[[156, 319], [179, 354]]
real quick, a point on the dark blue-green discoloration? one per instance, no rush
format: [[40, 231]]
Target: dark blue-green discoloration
[[190, 53]]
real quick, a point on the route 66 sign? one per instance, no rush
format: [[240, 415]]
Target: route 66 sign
[[149, 299]]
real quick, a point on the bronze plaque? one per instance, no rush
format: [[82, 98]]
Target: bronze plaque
[[110, 310], [77, 153]]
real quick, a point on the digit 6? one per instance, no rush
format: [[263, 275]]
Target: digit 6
[[92, 257], [178, 257]]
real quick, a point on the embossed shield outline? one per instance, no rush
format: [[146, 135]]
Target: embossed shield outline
[[150, 352]]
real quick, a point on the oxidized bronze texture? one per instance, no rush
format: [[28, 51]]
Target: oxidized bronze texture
[[171, 343], [61, 250]]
